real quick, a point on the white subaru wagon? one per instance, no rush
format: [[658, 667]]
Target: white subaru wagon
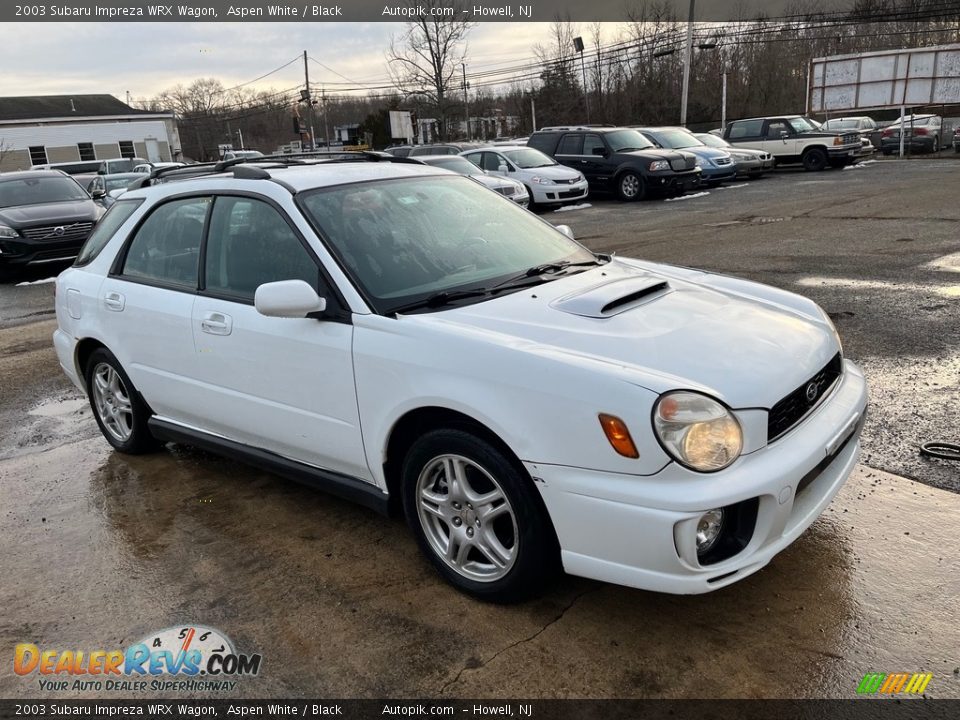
[[401, 336]]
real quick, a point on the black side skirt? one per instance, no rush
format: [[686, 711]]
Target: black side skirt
[[344, 486]]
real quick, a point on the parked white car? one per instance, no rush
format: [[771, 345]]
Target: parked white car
[[547, 182], [149, 167], [400, 336]]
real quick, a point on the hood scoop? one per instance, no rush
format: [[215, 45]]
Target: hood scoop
[[613, 297]]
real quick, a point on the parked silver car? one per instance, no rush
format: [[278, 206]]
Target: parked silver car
[[750, 163], [512, 189]]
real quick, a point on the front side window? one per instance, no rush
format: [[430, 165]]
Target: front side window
[[405, 240], [775, 127], [166, 248], [591, 143], [492, 162], [249, 244]]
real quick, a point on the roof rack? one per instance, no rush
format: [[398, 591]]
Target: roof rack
[[256, 168]]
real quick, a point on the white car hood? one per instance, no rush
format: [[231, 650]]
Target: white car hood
[[745, 343], [554, 172]]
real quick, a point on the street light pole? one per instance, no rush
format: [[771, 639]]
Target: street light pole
[[578, 46], [686, 66], [466, 103]]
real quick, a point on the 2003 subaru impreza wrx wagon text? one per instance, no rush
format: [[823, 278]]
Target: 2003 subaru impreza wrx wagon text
[[404, 337]]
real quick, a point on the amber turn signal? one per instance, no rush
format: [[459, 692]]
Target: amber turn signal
[[618, 435]]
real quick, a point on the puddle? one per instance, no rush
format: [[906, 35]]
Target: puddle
[[950, 291]]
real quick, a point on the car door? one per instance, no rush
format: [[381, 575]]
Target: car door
[[779, 138], [281, 384], [570, 151], [595, 163], [148, 300], [494, 163]]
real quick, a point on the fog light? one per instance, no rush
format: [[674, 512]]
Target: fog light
[[708, 530]]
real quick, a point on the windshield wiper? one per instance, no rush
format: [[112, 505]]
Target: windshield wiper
[[439, 299], [537, 271]]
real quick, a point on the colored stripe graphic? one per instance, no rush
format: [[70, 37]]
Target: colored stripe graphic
[[894, 683]]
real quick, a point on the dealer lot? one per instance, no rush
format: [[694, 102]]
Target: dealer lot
[[106, 548]]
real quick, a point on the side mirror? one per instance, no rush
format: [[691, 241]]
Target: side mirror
[[565, 229], [98, 193], [288, 299], [784, 134], [602, 152], [503, 168]]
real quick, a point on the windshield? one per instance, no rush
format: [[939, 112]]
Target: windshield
[[116, 183], [712, 140], [36, 190], [839, 124], [406, 239], [529, 158], [620, 140], [455, 163], [801, 125], [676, 139]]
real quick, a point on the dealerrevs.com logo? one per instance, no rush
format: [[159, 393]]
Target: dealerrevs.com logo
[[179, 659]]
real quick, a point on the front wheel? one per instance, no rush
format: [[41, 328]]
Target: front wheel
[[814, 160], [630, 186], [117, 407], [477, 517]]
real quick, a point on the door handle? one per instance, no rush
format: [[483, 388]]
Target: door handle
[[114, 301], [216, 323]]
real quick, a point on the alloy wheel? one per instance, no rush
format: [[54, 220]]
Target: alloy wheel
[[112, 402]]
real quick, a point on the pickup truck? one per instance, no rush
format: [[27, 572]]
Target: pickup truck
[[793, 139]]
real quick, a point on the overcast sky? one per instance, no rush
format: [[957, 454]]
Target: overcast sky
[[145, 58]]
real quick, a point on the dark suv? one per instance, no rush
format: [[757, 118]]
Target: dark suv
[[619, 159], [45, 216]]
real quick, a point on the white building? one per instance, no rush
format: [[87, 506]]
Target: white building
[[64, 128]]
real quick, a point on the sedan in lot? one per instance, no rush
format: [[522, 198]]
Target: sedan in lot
[[505, 186], [921, 133], [750, 163], [547, 181], [45, 216], [403, 337], [716, 164]]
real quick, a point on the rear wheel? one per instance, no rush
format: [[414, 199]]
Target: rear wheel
[[630, 186], [814, 159], [477, 517], [117, 406]]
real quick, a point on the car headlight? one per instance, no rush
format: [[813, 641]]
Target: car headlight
[[8, 232], [659, 165], [541, 180], [697, 431]]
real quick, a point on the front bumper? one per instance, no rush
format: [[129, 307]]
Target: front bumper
[[559, 193], [671, 181], [22, 252], [638, 531], [844, 152]]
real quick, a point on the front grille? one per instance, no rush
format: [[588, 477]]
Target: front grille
[[683, 164], [564, 194], [723, 161], [58, 233], [851, 138], [791, 409]]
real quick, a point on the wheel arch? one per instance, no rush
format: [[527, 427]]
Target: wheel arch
[[81, 356]]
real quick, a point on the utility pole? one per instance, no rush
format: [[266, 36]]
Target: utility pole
[[533, 113], [466, 103], [240, 135], [326, 121], [309, 100], [723, 102], [686, 67]]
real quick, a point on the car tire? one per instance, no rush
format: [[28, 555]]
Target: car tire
[[507, 558], [117, 407], [533, 206], [814, 160], [630, 186]]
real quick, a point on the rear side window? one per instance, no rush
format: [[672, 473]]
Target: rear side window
[[570, 145], [166, 248], [544, 142], [109, 224], [746, 129], [250, 244]]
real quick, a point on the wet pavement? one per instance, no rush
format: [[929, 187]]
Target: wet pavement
[[103, 548]]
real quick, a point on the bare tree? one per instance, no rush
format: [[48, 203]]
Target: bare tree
[[425, 58], [5, 150]]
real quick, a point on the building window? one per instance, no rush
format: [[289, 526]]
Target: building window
[[38, 155], [86, 151], [126, 149]]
